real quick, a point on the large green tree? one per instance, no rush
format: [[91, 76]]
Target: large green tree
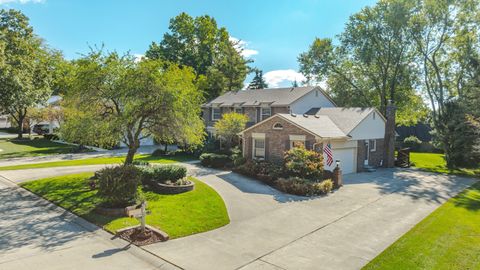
[[127, 100], [199, 43], [26, 68]]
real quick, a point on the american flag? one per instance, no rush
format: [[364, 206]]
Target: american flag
[[327, 149]]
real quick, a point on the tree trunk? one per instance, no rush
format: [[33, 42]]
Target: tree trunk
[[20, 121], [166, 147], [130, 154], [389, 154]]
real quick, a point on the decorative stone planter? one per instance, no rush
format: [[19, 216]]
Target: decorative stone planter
[[116, 212], [171, 189]]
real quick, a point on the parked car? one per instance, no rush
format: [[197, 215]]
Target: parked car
[[41, 129]]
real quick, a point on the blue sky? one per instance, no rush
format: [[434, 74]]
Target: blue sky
[[274, 32]]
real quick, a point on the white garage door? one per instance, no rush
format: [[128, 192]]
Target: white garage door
[[347, 160]]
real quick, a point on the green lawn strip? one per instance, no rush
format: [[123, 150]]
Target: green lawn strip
[[449, 238], [37, 147], [97, 161], [434, 162], [179, 215]]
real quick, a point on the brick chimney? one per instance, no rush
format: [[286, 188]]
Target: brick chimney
[[389, 154]]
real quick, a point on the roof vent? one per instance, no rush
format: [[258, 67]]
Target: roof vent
[[305, 115], [292, 114], [317, 116]]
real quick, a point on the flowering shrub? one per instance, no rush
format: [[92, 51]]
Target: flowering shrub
[[303, 163]]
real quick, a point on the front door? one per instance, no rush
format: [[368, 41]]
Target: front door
[[367, 153]]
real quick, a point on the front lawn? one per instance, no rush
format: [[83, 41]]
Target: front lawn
[[434, 162], [179, 215], [11, 148], [100, 160], [449, 238]]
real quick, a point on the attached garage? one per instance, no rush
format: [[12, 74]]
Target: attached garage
[[347, 158]]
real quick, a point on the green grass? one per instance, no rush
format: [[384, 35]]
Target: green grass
[[434, 162], [38, 147], [179, 215], [449, 238], [99, 160]]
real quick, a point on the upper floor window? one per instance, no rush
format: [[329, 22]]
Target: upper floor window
[[266, 112], [277, 126], [216, 114]]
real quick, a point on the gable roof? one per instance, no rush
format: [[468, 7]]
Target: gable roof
[[317, 125], [271, 96], [346, 119]]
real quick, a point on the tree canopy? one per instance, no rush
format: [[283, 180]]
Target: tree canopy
[[124, 100], [26, 68], [230, 126], [258, 82], [211, 52]]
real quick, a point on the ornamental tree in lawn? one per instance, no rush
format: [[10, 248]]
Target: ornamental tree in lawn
[[125, 100], [229, 126]]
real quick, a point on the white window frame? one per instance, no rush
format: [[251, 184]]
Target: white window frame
[[213, 113], [277, 128], [297, 138], [372, 144], [259, 137], [262, 114]]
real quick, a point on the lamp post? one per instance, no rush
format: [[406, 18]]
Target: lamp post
[[337, 175]]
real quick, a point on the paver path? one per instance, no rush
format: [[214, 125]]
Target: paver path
[[34, 234]]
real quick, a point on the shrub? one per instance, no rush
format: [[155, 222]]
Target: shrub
[[163, 173], [118, 185], [323, 187], [412, 142], [237, 157], [214, 160], [296, 186], [50, 137], [141, 163], [303, 163]]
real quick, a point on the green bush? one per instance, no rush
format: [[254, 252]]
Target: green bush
[[412, 142], [214, 160], [163, 173], [50, 137], [295, 186], [262, 170], [323, 187], [118, 186], [303, 163], [237, 157]]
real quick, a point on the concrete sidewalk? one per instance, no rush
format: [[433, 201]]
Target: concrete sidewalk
[[34, 234]]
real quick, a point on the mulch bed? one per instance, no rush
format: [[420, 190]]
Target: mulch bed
[[137, 237]]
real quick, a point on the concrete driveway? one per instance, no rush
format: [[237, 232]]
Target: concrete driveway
[[344, 230], [272, 230], [35, 234]]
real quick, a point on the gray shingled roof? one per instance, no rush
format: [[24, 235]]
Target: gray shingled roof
[[319, 125], [272, 96], [345, 118]]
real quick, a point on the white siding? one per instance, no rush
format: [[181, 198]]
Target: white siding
[[346, 152], [314, 99], [370, 128]]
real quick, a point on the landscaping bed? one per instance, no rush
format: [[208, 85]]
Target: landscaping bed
[[199, 210]]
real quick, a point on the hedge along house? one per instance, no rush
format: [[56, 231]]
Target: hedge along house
[[355, 135]]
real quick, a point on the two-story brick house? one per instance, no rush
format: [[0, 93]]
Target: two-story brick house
[[287, 117]]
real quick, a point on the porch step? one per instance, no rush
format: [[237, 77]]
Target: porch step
[[369, 168]]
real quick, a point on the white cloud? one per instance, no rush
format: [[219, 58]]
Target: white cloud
[[283, 77], [20, 1], [241, 46], [138, 57]]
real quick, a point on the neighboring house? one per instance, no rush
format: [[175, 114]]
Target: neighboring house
[[260, 104], [4, 121], [284, 118]]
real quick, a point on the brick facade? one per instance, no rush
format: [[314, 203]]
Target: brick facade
[[276, 141], [375, 157]]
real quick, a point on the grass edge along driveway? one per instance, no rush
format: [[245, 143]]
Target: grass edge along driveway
[[449, 238], [179, 215], [98, 161]]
